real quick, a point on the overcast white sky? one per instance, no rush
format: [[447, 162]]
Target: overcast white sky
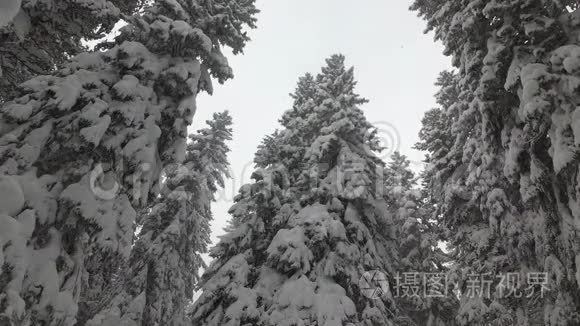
[[395, 65]]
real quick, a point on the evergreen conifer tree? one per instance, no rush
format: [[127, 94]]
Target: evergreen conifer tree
[[41, 35], [421, 260], [81, 151], [159, 280], [306, 230], [508, 191]]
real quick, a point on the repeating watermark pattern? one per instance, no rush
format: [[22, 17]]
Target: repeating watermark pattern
[[375, 285], [348, 177]]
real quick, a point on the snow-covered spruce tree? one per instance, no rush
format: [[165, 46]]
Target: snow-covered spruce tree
[[37, 36], [417, 238], [398, 177], [288, 147], [306, 230], [162, 270], [81, 150], [436, 140], [510, 196], [436, 136]]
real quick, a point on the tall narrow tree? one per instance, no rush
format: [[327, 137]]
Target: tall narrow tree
[[163, 268], [422, 262], [305, 232], [510, 196], [82, 149]]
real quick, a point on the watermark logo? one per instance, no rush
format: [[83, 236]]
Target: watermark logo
[[387, 137], [374, 285], [103, 184], [348, 176]]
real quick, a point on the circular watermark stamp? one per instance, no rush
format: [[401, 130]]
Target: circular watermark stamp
[[374, 285], [389, 138], [386, 136], [103, 184]]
